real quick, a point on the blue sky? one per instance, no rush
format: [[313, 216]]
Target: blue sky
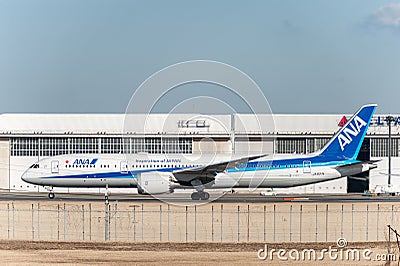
[[307, 56]]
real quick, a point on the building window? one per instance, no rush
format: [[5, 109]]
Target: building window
[[24, 147], [83, 145], [299, 145], [320, 143], [111, 145], [52, 146], [379, 147], [290, 145], [137, 145], [153, 145]]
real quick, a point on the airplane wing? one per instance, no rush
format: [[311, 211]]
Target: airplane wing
[[206, 173]]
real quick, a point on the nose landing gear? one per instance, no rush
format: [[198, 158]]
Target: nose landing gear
[[106, 194], [51, 192]]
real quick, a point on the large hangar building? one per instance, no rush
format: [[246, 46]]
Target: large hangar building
[[27, 138]]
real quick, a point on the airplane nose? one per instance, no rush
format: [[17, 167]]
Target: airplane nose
[[25, 177]]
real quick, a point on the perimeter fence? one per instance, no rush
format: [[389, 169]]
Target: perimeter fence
[[152, 222]]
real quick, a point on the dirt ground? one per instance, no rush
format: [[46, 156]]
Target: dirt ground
[[123, 253]]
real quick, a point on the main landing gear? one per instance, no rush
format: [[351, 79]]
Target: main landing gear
[[200, 195]]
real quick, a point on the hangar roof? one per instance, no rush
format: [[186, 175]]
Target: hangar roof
[[181, 124]]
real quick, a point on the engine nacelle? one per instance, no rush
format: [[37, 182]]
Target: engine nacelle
[[154, 183]]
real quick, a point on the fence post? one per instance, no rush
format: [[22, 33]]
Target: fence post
[[316, 223], [274, 222], [115, 221], [248, 223], [366, 231], [341, 224], [212, 223], [377, 224], [238, 223], [83, 222], [352, 222], [58, 221], [64, 214], [290, 223], [33, 228], [13, 223], [134, 222], [38, 220], [90, 221], [326, 223], [301, 220], [8, 219], [222, 209], [195, 222], [142, 222], [107, 221], [160, 223], [265, 233], [186, 223], [168, 220]]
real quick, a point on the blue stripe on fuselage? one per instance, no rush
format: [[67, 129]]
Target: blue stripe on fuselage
[[129, 174], [288, 164], [316, 161]]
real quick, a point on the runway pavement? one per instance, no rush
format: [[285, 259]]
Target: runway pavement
[[185, 197]]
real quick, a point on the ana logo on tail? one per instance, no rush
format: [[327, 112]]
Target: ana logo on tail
[[345, 138]]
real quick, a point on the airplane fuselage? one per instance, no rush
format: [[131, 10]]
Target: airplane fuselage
[[122, 170]]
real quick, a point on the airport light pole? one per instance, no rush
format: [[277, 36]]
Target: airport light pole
[[389, 119]]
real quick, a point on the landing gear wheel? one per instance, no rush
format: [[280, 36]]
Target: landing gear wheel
[[200, 195], [195, 196], [52, 195], [204, 195]]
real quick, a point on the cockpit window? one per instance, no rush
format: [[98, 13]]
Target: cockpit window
[[35, 165]]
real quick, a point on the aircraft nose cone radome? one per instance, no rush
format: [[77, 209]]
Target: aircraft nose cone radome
[[25, 177]]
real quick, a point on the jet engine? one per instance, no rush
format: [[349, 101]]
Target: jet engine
[[155, 183]]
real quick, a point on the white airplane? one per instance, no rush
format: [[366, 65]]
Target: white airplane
[[162, 173]]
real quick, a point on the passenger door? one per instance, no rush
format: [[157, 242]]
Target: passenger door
[[54, 167], [306, 167], [124, 167]]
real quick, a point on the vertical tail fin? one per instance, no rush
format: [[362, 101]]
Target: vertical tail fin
[[347, 141]]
